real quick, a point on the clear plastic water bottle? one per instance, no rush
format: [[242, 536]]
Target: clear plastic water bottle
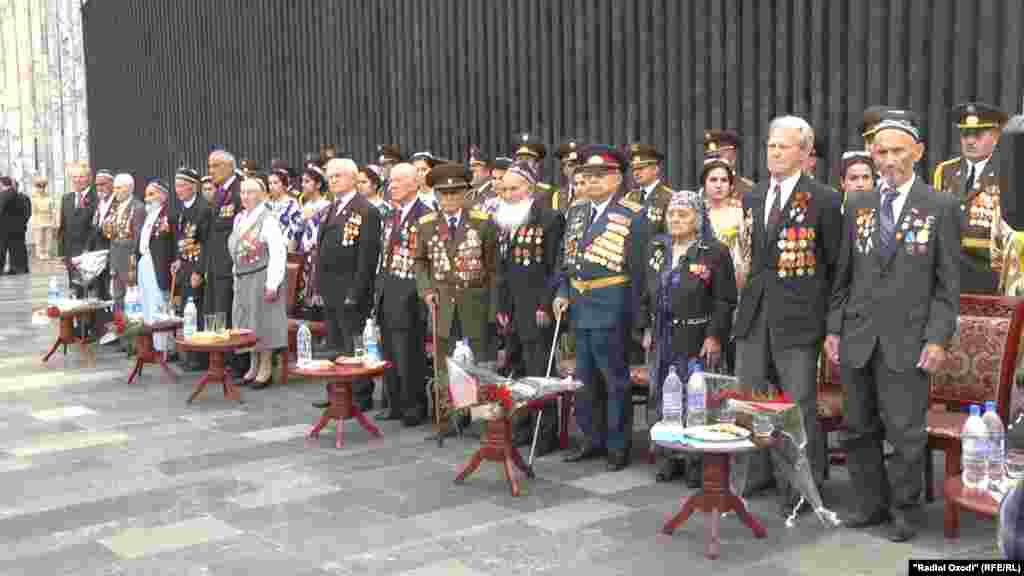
[[131, 301], [696, 400], [304, 345], [1015, 447], [672, 398], [371, 341], [53, 292], [974, 450], [996, 445], [463, 353], [191, 317]]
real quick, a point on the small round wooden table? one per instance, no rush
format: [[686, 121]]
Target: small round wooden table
[[496, 446], [144, 352], [216, 372], [339, 379], [66, 333], [715, 496]]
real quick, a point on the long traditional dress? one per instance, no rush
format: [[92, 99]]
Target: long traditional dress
[[314, 213], [688, 301], [154, 269], [260, 255]]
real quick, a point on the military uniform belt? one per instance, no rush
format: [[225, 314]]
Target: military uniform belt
[[585, 285], [690, 321], [250, 272], [976, 242]]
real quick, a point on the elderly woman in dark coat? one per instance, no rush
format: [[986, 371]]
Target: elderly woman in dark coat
[[689, 299]]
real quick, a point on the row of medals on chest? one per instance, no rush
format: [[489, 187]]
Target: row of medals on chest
[[403, 251], [983, 208], [796, 251], [608, 248], [528, 245], [468, 263]]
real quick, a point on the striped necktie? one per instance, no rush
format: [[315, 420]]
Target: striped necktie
[[887, 223]]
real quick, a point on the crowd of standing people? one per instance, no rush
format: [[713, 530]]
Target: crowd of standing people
[[765, 279]]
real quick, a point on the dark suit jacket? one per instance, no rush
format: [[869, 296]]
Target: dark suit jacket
[[75, 229], [216, 259], [191, 226], [348, 247], [398, 305], [527, 268], [793, 265], [902, 302], [161, 249], [99, 240]]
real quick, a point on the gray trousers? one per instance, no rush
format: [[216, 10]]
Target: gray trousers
[[894, 404], [759, 359]]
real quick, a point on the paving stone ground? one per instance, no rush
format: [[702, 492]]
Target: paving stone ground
[[98, 477]]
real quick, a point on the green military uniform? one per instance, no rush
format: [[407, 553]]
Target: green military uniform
[[718, 144], [458, 265], [984, 234]]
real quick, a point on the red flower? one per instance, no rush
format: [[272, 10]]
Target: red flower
[[52, 312], [505, 397]]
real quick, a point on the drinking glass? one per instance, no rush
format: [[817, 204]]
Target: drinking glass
[[726, 412], [210, 323], [358, 346], [763, 425], [222, 322]]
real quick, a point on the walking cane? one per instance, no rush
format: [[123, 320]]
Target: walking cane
[[540, 414], [437, 379]]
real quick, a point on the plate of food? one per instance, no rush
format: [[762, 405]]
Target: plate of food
[[349, 360], [240, 331], [717, 433], [318, 365]]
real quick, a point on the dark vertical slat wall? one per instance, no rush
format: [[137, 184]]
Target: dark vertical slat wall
[[169, 78]]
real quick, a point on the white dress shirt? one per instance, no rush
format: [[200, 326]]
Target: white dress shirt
[[979, 169], [601, 208], [787, 185], [901, 197], [271, 235], [189, 203], [648, 190], [344, 200]]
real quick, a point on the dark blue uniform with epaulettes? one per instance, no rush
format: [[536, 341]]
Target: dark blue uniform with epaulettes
[[602, 277]]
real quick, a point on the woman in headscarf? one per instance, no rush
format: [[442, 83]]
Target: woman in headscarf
[[725, 212], [121, 227], [285, 208], [314, 207], [155, 252], [689, 300], [259, 253]]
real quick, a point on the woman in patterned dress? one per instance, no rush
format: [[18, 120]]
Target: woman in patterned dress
[[259, 254], [313, 208], [285, 208], [688, 304], [726, 213]]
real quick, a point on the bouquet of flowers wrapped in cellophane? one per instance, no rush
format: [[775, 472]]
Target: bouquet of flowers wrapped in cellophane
[[790, 452], [490, 395]]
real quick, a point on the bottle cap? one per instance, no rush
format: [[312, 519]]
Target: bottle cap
[[975, 410]]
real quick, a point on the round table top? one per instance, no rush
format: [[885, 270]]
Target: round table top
[[340, 371], [231, 344], [732, 447], [166, 325]]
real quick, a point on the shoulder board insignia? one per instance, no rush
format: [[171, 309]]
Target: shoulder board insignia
[[479, 215], [635, 207], [428, 218]]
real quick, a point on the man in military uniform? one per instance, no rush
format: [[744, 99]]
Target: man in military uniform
[[191, 224], [529, 149], [530, 237], [399, 311], [456, 259], [217, 265], [424, 162], [650, 192], [346, 263], [973, 178], [388, 155], [601, 279], [483, 184], [568, 159], [724, 144]]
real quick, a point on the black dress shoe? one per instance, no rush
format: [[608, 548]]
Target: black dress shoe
[[387, 415], [902, 528], [617, 460], [586, 451], [860, 520]]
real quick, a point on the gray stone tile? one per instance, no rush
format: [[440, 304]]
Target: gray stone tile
[[82, 557], [575, 514], [228, 458]]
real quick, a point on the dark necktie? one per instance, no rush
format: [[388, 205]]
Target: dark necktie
[[887, 224], [776, 210], [453, 221], [970, 180]]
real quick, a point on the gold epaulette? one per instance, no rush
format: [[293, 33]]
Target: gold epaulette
[[633, 206], [428, 218], [939, 168], [478, 215]]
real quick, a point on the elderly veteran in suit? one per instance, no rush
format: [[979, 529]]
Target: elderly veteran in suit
[[121, 228], [894, 307], [794, 224], [601, 281], [74, 227]]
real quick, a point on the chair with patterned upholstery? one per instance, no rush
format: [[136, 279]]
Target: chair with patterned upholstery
[[831, 409], [980, 366]]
